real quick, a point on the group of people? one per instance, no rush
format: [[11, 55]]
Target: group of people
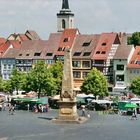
[[40, 108]]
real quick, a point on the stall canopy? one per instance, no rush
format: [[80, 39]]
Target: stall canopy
[[130, 105]]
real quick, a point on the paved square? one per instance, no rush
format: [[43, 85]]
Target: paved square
[[26, 125]]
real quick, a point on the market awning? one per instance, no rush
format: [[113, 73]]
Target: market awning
[[130, 105]]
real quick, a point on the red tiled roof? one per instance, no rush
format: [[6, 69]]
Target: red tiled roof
[[2, 40], [85, 44], [14, 43], [135, 60], [11, 53], [3, 48], [52, 45], [32, 35], [104, 45], [67, 39], [23, 37]]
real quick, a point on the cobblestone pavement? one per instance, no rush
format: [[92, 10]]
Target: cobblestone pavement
[[24, 125]]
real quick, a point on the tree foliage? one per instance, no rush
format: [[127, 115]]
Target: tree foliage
[[44, 79], [135, 86], [95, 83], [135, 39], [16, 80], [57, 72]]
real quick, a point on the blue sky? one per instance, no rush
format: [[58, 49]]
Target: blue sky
[[91, 16]]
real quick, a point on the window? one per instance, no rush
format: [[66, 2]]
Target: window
[[99, 62], [66, 40], [120, 67], [77, 74], [132, 62], [104, 44], [85, 74], [138, 62], [77, 54], [98, 52], [103, 52], [85, 44], [37, 54], [63, 24], [20, 54], [49, 54], [86, 53], [9, 66], [27, 54], [60, 49], [76, 63], [120, 77], [5, 66], [49, 61], [86, 64]]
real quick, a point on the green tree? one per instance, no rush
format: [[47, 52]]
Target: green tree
[[57, 71], [135, 39], [16, 80], [7, 86], [135, 86], [40, 79], [1, 84], [95, 83]]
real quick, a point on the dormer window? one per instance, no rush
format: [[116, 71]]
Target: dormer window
[[27, 54], [98, 52], [104, 44], [86, 53], [20, 54], [132, 62], [86, 44], [60, 49], [37, 54], [77, 54], [103, 52], [49, 54], [66, 40]]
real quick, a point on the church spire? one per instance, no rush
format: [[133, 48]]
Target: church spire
[[65, 4], [65, 18]]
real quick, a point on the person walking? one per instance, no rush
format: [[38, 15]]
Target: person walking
[[134, 115], [83, 110]]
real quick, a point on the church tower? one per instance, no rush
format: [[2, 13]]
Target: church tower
[[65, 18]]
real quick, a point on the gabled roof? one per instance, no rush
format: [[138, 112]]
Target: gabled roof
[[23, 37], [52, 45], [4, 47], [32, 49], [11, 53], [104, 45], [135, 60], [2, 40], [67, 39], [123, 51], [84, 44], [14, 43], [32, 35]]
